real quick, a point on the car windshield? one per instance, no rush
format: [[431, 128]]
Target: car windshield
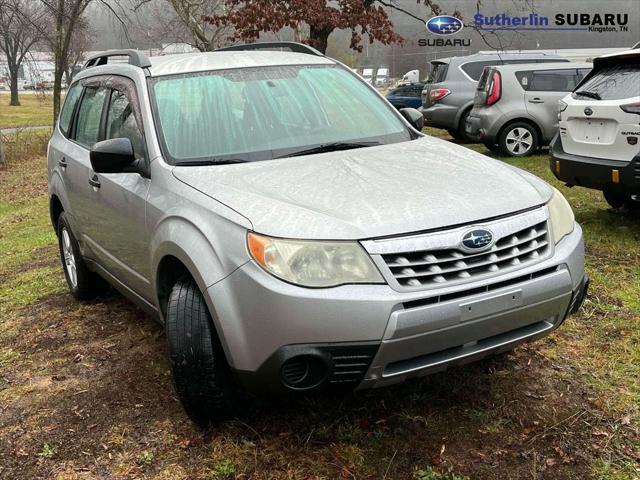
[[262, 113]]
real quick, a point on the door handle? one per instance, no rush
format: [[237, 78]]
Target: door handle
[[94, 182], [536, 100], [62, 163]]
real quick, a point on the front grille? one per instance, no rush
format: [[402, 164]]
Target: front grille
[[636, 170], [430, 268]]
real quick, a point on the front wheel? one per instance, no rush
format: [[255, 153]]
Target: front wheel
[[201, 376], [492, 147], [618, 200], [518, 140], [615, 199]]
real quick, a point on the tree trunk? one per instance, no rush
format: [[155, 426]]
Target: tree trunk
[[57, 90], [58, 59], [13, 86], [2, 161], [319, 37]]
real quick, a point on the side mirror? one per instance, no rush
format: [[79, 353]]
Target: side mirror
[[414, 117], [112, 156]]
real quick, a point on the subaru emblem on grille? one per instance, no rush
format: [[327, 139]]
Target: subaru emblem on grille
[[477, 239]]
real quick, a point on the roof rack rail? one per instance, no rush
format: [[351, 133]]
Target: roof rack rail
[[293, 46], [136, 58]]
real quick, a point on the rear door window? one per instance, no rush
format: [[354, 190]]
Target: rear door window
[[614, 82], [89, 116]]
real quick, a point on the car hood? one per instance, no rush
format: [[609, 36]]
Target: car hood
[[369, 192]]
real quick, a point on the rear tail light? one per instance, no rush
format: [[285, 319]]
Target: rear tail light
[[562, 106], [631, 108], [495, 88], [439, 93]]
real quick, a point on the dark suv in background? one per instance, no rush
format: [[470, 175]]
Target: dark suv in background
[[447, 97]]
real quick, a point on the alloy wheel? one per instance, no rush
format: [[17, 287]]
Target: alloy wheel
[[69, 258], [519, 141]]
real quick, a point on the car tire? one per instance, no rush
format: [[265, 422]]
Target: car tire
[[460, 133], [492, 147], [83, 283], [200, 372], [518, 139], [615, 199], [454, 133]]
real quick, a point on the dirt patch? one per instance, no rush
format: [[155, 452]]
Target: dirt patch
[[90, 393]]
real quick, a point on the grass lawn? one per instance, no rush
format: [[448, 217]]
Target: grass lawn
[[35, 109], [85, 391]]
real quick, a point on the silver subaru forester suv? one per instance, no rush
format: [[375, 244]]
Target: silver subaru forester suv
[[292, 230]]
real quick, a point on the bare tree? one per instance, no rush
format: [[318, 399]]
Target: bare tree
[[21, 26], [81, 41], [67, 17], [186, 22]]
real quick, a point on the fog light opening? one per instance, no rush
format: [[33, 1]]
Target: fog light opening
[[303, 372]]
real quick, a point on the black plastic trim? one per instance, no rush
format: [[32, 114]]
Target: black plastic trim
[[293, 46], [136, 58], [346, 364], [595, 173]]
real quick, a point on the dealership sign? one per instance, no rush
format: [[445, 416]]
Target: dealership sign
[[444, 26], [590, 22]]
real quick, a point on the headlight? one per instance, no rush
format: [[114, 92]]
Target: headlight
[[560, 215], [313, 264]]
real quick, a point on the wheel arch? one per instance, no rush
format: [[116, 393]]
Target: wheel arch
[[462, 111], [170, 268], [55, 209]]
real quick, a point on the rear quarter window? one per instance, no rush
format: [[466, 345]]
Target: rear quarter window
[[474, 69], [486, 73], [614, 82], [438, 72]]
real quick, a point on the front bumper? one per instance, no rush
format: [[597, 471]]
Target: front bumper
[[596, 173], [371, 335]]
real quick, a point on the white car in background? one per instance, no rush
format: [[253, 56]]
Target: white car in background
[[598, 143]]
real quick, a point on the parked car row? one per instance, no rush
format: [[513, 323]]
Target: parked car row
[[448, 96], [588, 113]]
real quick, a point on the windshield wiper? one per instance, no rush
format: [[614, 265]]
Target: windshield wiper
[[212, 161], [587, 93], [331, 147]]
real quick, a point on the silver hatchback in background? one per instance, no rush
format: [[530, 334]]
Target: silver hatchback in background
[[516, 106], [447, 97]]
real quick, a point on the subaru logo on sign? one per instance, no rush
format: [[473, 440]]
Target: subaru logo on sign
[[477, 239], [444, 25]]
